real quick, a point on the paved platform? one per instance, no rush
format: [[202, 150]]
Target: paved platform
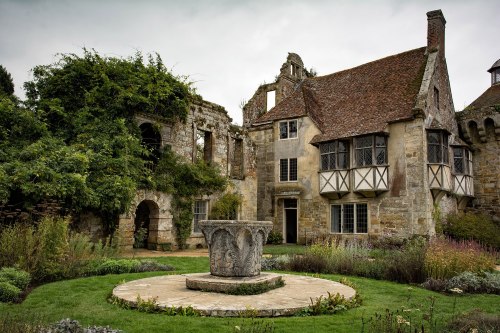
[[170, 290]]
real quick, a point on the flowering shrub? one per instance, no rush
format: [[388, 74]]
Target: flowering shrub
[[446, 258]]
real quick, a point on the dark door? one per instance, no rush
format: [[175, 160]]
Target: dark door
[[290, 206]]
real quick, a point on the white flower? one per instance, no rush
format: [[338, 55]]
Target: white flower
[[456, 291]]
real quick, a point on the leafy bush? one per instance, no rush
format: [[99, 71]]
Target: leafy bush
[[275, 263], [9, 292], [120, 266], [308, 263], [446, 258], [479, 227], [49, 251], [407, 264], [275, 237], [226, 207], [475, 283], [474, 321], [16, 277], [435, 284], [73, 326], [331, 304]]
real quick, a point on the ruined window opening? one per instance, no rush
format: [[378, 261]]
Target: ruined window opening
[[474, 132], [237, 162], [436, 97], [199, 214], [288, 129], [437, 147], [351, 218], [288, 170], [371, 150], [334, 155], [294, 70], [151, 140], [489, 127], [462, 161], [271, 100], [203, 146]]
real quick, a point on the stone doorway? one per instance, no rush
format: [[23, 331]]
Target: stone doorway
[[145, 216], [290, 207]]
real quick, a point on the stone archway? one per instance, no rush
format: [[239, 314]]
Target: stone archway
[[146, 225]]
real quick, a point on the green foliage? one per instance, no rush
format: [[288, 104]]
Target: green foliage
[[331, 304], [19, 278], [9, 292], [446, 258], [6, 82], [255, 288], [275, 237], [468, 282], [407, 264], [78, 142], [479, 227], [185, 180], [474, 321], [226, 208], [151, 305]]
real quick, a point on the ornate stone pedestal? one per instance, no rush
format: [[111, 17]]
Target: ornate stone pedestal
[[235, 249]]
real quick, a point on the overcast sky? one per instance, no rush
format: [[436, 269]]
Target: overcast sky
[[229, 47]]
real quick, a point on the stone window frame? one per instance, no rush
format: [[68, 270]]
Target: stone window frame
[[207, 147], [462, 161], [331, 155], [288, 170], [286, 129], [438, 147], [356, 212], [200, 212], [369, 148]]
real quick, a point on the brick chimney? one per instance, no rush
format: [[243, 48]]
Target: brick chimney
[[435, 31]]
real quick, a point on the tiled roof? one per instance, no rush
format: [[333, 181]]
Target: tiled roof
[[359, 100], [489, 98]]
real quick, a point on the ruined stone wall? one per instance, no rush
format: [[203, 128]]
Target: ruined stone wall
[[485, 144], [292, 72]]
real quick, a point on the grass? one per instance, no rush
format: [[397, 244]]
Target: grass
[[284, 249], [84, 299]]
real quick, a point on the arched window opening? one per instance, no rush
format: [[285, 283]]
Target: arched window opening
[[473, 131], [489, 126]]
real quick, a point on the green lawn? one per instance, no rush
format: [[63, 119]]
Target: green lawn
[[84, 299]]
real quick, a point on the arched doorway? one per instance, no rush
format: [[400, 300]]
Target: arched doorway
[[144, 214]]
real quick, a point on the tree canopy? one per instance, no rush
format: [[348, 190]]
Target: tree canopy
[[75, 140], [6, 83]]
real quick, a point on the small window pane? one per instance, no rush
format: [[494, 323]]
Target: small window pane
[[361, 218], [283, 130], [343, 146], [458, 160], [293, 169], [324, 148], [292, 129], [200, 213], [381, 155], [325, 162], [433, 138], [283, 170], [335, 218], [380, 141], [343, 161], [348, 225]]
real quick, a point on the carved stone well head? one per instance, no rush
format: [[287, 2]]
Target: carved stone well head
[[235, 247]]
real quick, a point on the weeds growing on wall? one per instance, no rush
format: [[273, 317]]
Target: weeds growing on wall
[[185, 181]]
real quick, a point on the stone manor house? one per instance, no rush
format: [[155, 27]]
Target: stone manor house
[[368, 151]]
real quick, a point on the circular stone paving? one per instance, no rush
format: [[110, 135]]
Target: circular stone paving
[[171, 291]]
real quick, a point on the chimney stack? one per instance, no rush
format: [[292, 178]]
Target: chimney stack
[[435, 32]]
